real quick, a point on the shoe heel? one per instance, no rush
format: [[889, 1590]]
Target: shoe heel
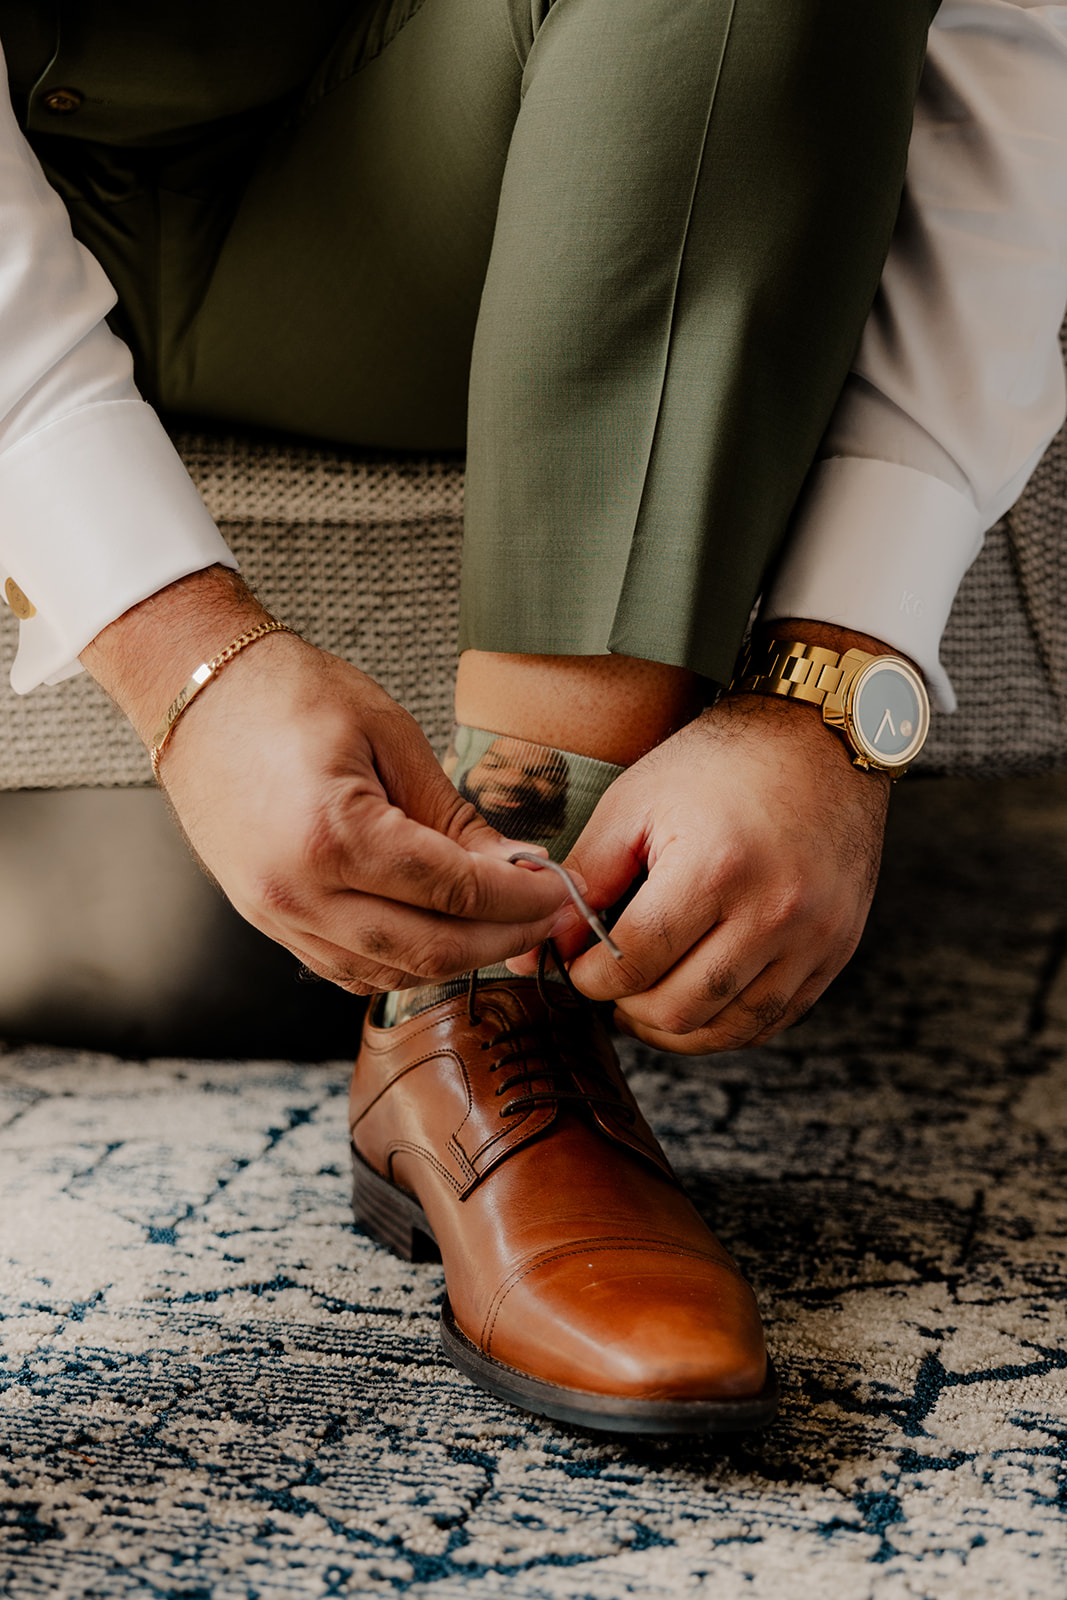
[[390, 1216]]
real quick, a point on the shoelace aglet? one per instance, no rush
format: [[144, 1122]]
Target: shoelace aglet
[[576, 895], [603, 935]]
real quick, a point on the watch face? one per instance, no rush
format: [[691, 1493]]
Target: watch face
[[889, 713]]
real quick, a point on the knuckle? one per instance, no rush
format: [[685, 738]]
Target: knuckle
[[679, 1018], [321, 842], [278, 895], [457, 897], [445, 957], [463, 820], [732, 1032], [792, 904], [766, 1011], [413, 869], [628, 976], [375, 942], [800, 1016], [728, 861], [795, 1012], [720, 982], [357, 979]]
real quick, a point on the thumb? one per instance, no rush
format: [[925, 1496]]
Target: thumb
[[608, 855], [612, 848]]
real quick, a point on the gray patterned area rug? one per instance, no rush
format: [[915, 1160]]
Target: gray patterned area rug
[[215, 1388]]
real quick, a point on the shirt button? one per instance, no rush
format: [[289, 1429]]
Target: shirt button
[[63, 101]]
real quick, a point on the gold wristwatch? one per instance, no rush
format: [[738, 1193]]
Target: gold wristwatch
[[878, 704]]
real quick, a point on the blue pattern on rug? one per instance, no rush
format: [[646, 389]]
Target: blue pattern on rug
[[214, 1387]]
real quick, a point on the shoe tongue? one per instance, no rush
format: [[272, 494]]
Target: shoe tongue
[[402, 1004]]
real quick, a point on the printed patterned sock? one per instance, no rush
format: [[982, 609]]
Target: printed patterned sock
[[526, 791]]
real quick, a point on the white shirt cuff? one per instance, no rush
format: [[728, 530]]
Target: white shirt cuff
[[115, 518], [882, 549]]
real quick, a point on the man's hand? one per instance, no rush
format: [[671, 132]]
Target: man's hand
[[316, 802], [762, 844]]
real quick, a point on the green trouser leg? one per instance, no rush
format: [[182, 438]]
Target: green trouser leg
[[645, 233]]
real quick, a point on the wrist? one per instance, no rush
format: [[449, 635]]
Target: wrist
[[145, 656]]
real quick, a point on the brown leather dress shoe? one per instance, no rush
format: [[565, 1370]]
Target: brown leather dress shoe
[[496, 1128]]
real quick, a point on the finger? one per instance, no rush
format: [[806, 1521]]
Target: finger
[[670, 914], [394, 945], [765, 1008], [805, 998], [374, 848], [321, 959], [612, 848], [607, 857], [711, 977]]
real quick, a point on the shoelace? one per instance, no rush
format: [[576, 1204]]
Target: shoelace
[[539, 863], [539, 1038]]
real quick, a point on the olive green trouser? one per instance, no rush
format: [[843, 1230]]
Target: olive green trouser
[[621, 249]]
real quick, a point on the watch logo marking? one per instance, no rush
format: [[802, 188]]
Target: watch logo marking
[[911, 604]]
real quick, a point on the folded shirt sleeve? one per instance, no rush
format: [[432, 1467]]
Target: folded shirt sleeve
[[958, 386], [96, 509]]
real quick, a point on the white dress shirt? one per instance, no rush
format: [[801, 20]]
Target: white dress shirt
[[957, 389]]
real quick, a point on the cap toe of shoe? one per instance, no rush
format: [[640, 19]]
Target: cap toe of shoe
[[648, 1323]]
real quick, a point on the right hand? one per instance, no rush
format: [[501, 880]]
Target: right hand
[[317, 804]]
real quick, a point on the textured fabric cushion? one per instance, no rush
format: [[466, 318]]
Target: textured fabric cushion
[[362, 556], [359, 555]]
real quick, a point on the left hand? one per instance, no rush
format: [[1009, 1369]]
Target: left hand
[[762, 843]]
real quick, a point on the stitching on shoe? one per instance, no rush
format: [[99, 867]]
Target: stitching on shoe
[[388, 1034], [593, 1246], [501, 1145], [427, 1155], [420, 1061]]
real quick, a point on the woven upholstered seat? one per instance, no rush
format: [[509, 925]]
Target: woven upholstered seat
[[362, 555]]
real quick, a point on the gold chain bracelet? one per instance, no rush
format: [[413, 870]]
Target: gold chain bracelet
[[200, 678]]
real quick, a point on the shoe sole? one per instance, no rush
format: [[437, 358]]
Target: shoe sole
[[399, 1222]]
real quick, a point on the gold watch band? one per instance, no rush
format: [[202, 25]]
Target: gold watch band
[[796, 671], [877, 703]]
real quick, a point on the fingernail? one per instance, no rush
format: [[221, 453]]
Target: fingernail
[[579, 882], [568, 918]]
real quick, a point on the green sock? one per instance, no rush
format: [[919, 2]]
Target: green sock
[[526, 791]]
